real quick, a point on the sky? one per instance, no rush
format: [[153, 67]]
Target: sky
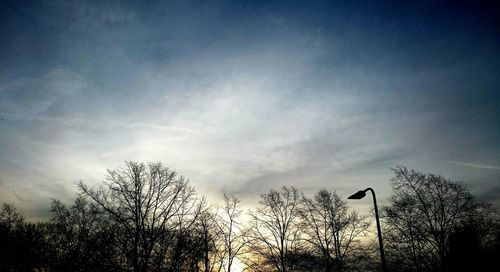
[[245, 96]]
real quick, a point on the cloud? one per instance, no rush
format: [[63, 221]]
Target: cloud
[[475, 165], [492, 196], [28, 97], [241, 98]]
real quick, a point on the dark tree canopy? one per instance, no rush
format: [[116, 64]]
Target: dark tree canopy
[[424, 213], [275, 235], [144, 202], [333, 231], [146, 217]]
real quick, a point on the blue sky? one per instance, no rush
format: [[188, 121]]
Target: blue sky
[[244, 96]]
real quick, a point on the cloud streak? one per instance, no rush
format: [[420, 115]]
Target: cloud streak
[[475, 165]]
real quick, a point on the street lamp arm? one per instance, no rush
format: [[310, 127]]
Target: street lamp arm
[[361, 194], [379, 231]]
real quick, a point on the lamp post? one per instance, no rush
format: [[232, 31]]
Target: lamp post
[[360, 195]]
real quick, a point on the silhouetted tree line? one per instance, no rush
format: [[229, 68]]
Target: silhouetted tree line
[[146, 217], [435, 224]]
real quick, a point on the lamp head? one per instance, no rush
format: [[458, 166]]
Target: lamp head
[[358, 195]]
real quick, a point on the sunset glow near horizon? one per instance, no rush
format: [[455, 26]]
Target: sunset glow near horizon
[[247, 96]]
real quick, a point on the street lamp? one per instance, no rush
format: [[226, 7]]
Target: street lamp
[[360, 195]]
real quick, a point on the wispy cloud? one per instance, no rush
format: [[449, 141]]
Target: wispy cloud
[[475, 165], [240, 98], [37, 95], [68, 121]]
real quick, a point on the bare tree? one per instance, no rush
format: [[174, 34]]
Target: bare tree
[[23, 245], [332, 230], [10, 218], [275, 230], [208, 233], [82, 238], [142, 200], [231, 231], [423, 212], [183, 252]]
